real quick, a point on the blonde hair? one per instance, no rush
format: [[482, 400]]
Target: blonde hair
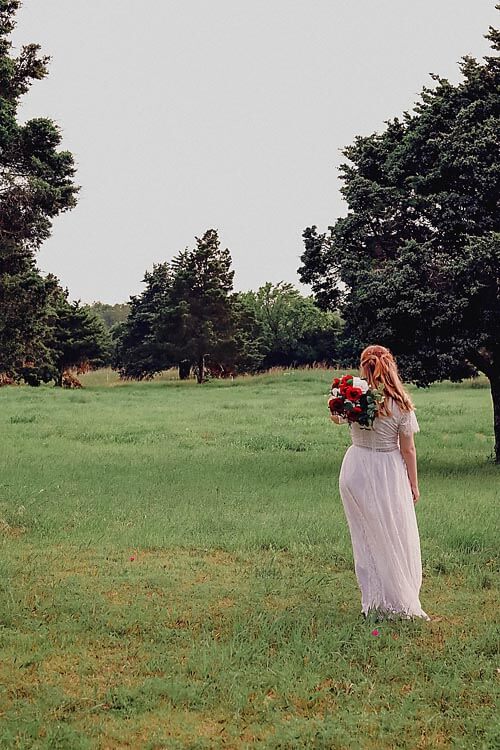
[[378, 367]]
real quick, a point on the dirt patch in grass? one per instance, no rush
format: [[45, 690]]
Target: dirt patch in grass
[[160, 730], [12, 531], [92, 671]]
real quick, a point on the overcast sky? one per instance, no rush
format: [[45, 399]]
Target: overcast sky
[[189, 114]]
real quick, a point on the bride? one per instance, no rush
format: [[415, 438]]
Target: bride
[[379, 487]]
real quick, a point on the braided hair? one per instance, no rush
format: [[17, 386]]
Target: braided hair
[[378, 366]]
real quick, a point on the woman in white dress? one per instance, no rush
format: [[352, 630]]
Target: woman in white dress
[[379, 488]]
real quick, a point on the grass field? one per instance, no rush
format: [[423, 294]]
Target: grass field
[[176, 572]]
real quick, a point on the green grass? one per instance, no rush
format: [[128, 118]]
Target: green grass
[[237, 624]]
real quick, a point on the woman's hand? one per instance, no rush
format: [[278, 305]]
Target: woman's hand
[[336, 418], [407, 447]]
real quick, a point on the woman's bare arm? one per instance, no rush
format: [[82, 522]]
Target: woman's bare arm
[[409, 453]]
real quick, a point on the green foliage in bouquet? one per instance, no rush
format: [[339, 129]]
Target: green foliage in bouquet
[[374, 399]]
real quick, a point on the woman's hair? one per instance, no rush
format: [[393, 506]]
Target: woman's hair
[[378, 366]]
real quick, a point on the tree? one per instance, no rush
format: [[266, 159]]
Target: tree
[[201, 304], [140, 352], [293, 330], [26, 320], [184, 314], [111, 314], [36, 184], [249, 344], [416, 261], [80, 339]]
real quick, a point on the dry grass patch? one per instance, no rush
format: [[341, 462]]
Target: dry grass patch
[[11, 531]]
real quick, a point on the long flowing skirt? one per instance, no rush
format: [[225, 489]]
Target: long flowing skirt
[[378, 504]]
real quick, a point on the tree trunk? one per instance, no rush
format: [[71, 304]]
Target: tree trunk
[[184, 369], [201, 369], [59, 380], [495, 395]]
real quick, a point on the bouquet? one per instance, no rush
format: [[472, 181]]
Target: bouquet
[[352, 399]]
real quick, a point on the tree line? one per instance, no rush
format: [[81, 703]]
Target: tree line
[[413, 265], [189, 317]]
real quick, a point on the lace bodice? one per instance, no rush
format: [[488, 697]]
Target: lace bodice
[[384, 435]]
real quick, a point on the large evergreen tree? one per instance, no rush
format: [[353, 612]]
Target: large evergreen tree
[[183, 315], [79, 339], [27, 316], [201, 304], [140, 350], [36, 184], [418, 253]]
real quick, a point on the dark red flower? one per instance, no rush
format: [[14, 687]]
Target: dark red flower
[[352, 393], [336, 383], [336, 404]]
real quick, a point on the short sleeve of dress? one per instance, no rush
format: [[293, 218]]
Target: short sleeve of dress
[[408, 424]]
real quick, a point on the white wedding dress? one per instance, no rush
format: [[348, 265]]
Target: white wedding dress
[[378, 504]]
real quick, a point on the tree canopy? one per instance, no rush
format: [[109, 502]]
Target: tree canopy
[[183, 315], [415, 263], [139, 351], [111, 314], [291, 329], [36, 184], [79, 338], [188, 316]]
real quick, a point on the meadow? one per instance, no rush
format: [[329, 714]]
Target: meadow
[[176, 572]]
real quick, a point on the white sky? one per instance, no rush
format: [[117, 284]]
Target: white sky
[[185, 115]]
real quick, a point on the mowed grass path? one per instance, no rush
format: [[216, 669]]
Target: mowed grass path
[[237, 622]]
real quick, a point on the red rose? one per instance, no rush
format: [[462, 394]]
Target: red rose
[[336, 383], [347, 379], [352, 393], [357, 409], [335, 404]]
